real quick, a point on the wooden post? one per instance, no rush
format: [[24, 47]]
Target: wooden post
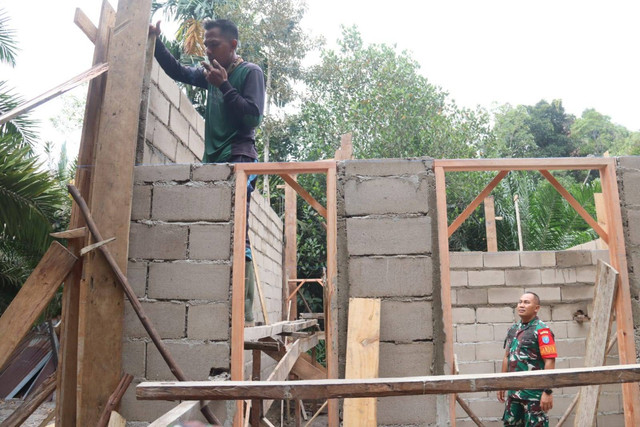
[[601, 214], [256, 405], [490, 224], [290, 245], [331, 303]]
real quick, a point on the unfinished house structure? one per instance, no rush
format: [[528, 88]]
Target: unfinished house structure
[[413, 333]]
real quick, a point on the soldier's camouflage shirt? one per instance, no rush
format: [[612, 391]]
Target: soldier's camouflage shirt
[[529, 344]]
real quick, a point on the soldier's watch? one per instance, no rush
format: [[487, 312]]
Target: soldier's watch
[[548, 391]]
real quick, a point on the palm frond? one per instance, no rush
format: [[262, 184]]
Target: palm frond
[[8, 44], [21, 130]]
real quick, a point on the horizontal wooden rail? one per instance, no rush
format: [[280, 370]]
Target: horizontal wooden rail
[[285, 168], [468, 165], [380, 387]]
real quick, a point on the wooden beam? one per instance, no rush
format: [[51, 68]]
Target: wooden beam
[[290, 245], [321, 166], [577, 206], [331, 293], [304, 368], [68, 359], [81, 78], [185, 411], [469, 412], [600, 324], [114, 400], [95, 246], [256, 406], [601, 216], [256, 269], [382, 387], [31, 403], [256, 332], [624, 318], [116, 420], [86, 26], [345, 152], [305, 195], [70, 234], [468, 165], [475, 203], [363, 356], [33, 297], [490, 224]]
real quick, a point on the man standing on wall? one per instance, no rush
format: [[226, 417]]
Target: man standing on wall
[[235, 105], [530, 346]]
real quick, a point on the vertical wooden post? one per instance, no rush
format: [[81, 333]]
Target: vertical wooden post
[[490, 224], [445, 284], [624, 319], [66, 383], [331, 309], [601, 216], [237, 291], [291, 247], [255, 376], [101, 298]]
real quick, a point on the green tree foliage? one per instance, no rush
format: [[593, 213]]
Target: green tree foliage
[[594, 134]]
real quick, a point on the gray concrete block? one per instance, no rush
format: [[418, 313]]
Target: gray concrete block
[[558, 276], [509, 296], [158, 241], [387, 167], [141, 202], [169, 88], [476, 367], [169, 319], [560, 329], [158, 104], [571, 348], [471, 296], [495, 314], [189, 203], [465, 260], [164, 140], [600, 254], [210, 241], [473, 333], [389, 236], [522, 277], [586, 274], [155, 69], [196, 143], [156, 173], [538, 259], [633, 228], [490, 351], [142, 410], [546, 294], [137, 277], [390, 276], [566, 311], [631, 188], [463, 315], [629, 162], [187, 109], [486, 278], [464, 352], [134, 355], [458, 278], [404, 321], [189, 281], [407, 410], [501, 259], [212, 172], [209, 322], [388, 195], [577, 330], [179, 125], [403, 360], [573, 258], [184, 155], [196, 359]]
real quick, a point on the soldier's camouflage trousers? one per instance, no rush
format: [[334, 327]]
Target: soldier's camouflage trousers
[[524, 413]]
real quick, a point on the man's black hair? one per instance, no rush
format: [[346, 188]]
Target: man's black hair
[[537, 298], [227, 27]]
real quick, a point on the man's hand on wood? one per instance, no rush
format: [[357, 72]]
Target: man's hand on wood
[[154, 30]]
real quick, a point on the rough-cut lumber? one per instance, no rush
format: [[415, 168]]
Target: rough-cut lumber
[[256, 270], [91, 73], [70, 234], [255, 376], [476, 202], [330, 291], [263, 345], [381, 387], [254, 333], [363, 356], [116, 420], [95, 246], [305, 195], [321, 166], [304, 368], [131, 296], [182, 413], [32, 402], [68, 366], [605, 289], [465, 165], [33, 297], [114, 400], [490, 224], [86, 26], [345, 152], [290, 245], [469, 412], [575, 205], [601, 216], [316, 414]]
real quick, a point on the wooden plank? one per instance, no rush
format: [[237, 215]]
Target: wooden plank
[[114, 401], [382, 387], [363, 356], [256, 269], [624, 319], [601, 216], [462, 165], [595, 354], [237, 293], [101, 299], [256, 332], [469, 412], [33, 297], [86, 26], [116, 420], [321, 166], [575, 205], [67, 366], [31, 403], [475, 203], [182, 413], [70, 234], [345, 152], [95, 246], [255, 376], [490, 224], [304, 368], [81, 78], [331, 294], [290, 245], [305, 195]]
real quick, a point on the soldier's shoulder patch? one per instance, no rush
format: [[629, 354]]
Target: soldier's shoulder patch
[[547, 344]]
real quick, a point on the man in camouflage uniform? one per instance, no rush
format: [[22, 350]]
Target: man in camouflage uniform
[[530, 346]]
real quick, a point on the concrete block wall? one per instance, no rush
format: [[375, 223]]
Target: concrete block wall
[[485, 290], [386, 242], [174, 129]]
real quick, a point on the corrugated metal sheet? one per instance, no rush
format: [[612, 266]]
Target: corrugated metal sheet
[[26, 362]]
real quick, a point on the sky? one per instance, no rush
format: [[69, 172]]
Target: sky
[[482, 52]]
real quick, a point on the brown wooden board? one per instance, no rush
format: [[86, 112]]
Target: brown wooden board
[[33, 297], [290, 246], [35, 399], [331, 292], [490, 224]]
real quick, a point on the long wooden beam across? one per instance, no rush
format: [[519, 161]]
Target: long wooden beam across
[[382, 387], [305, 194], [462, 165], [321, 166], [86, 26]]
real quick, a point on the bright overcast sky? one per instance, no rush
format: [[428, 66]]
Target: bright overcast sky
[[482, 52]]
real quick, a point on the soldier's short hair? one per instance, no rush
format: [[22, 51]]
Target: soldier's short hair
[[537, 298]]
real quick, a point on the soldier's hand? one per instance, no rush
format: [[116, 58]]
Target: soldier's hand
[[501, 395], [154, 30], [546, 402]]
